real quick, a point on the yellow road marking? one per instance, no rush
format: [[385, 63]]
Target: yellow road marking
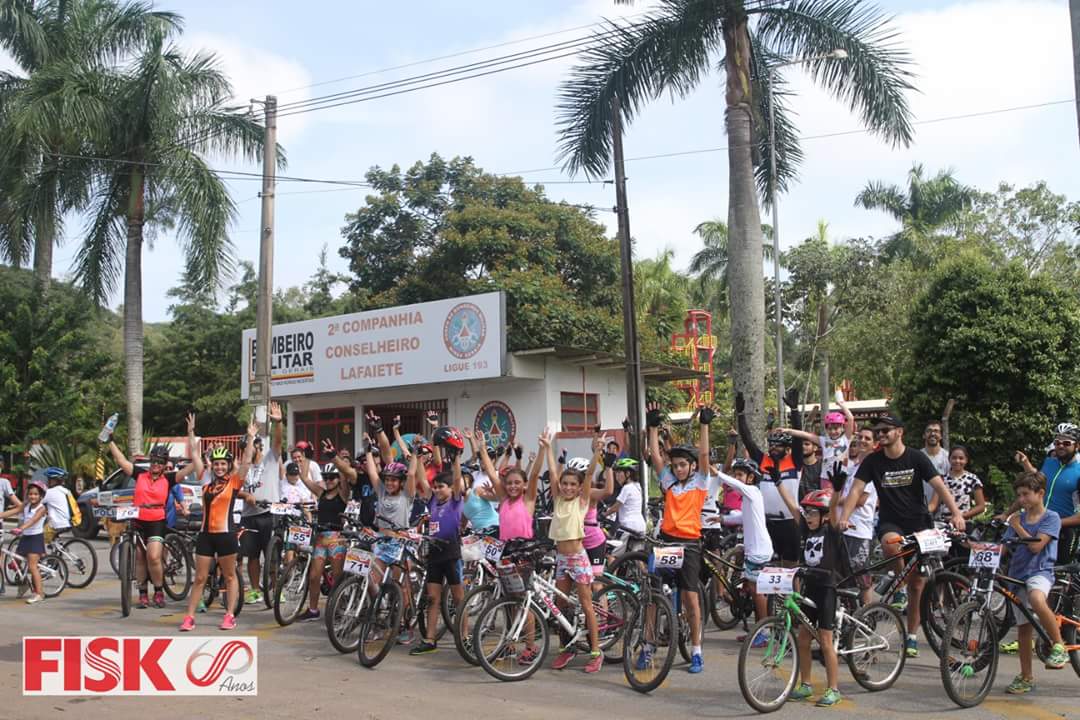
[[1021, 710]]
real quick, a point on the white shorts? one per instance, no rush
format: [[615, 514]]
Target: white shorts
[[1035, 582]]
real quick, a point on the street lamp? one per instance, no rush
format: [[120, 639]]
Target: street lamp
[[837, 54]]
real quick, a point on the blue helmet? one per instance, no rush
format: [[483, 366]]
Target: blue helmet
[[55, 473]]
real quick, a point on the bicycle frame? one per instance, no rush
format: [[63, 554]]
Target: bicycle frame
[[792, 609], [983, 589]]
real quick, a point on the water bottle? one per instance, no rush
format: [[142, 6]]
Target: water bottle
[[110, 426], [884, 582]]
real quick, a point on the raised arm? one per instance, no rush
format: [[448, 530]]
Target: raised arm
[[433, 424], [598, 494], [732, 442], [487, 466], [705, 416], [459, 479], [849, 419], [372, 471], [121, 459], [278, 420], [791, 399], [534, 472], [414, 468], [249, 450], [744, 430], [850, 502], [653, 418], [375, 426]]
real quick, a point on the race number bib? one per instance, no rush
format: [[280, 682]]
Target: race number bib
[[985, 555], [298, 535], [237, 509], [669, 558], [127, 512], [283, 509], [433, 527], [493, 549], [932, 541], [357, 562], [776, 581], [511, 579]]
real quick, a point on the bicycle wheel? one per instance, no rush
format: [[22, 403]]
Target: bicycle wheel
[[212, 588], [11, 565], [511, 640], [722, 604], [768, 665], [81, 561], [343, 614], [465, 618], [684, 632], [1068, 637], [874, 639], [969, 663], [379, 629], [114, 557], [633, 567], [176, 565], [646, 658], [271, 570], [291, 593], [944, 592], [126, 560], [54, 575], [446, 611], [614, 607]]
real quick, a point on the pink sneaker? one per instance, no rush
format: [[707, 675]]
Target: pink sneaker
[[159, 599], [228, 622], [595, 663], [188, 625], [563, 660]]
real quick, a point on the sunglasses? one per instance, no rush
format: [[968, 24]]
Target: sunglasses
[[1063, 443], [882, 431]]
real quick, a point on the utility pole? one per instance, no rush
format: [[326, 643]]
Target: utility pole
[[1074, 21], [777, 298], [634, 395], [259, 395]]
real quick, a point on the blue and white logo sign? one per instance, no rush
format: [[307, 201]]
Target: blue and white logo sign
[[465, 330]]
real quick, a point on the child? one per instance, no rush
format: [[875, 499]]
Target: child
[[823, 553], [839, 427], [572, 566], [1033, 563], [628, 505], [32, 540], [757, 545]]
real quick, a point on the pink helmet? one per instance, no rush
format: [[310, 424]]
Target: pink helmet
[[835, 418]]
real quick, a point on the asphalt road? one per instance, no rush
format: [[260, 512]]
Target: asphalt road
[[300, 674]]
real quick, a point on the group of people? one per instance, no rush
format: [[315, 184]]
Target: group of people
[[818, 501]]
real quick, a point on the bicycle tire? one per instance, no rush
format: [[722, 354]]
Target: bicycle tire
[[176, 565], [1068, 637], [378, 632], [344, 611], [646, 674], [126, 560], [498, 654], [472, 605], [722, 608], [446, 611], [943, 593], [10, 573], [966, 656], [271, 570], [114, 557], [874, 616], [57, 572], [632, 567], [83, 565], [211, 589], [779, 647], [293, 583], [612, 620], [684, 634]]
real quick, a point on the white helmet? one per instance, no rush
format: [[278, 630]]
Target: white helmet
[[578, 463], [1065, 428]]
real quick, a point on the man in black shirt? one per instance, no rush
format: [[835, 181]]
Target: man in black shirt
[[899, 473]]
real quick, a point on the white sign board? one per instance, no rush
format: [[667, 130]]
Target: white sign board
[[442, 341]]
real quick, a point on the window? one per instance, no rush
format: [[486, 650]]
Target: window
[[580, 411], [335, 424]]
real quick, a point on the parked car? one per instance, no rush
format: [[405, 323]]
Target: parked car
[[119, 489]]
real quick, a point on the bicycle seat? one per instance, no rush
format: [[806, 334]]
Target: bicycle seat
[[848, 592]]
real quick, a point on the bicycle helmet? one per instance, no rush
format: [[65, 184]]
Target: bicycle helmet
[[1073, 434], [818, 499], [747, 466], [686, 451], [330, 470], [1064, 428], [578, 463], [159, 453], [780, 438], [629, 465], [835, 418], [221, 453], [305, 447], [448, 437], [54, 473], [395, 469], [292, 469]]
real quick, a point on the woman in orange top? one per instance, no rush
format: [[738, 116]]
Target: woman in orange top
[[217, 537]]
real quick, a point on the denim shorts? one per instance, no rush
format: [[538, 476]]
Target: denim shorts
[[753, 565]]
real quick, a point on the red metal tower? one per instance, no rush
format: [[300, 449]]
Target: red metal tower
[[699, 344]]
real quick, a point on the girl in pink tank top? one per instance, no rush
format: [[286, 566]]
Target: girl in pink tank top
[[515, 491]]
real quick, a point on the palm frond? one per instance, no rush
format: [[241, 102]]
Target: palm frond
[[875, 78], [22, 33], [879, 196], [769, 85], [100, 259], [666, 51], [108, 31]]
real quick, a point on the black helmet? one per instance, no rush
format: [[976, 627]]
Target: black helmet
[[780, 438], [748, 466], [448, 437], [159, 453], [292, 469], [330, 470], [687, 451]]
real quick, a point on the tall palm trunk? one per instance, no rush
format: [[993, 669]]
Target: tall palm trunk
[[133, 324], [746, 285], [45, 239], [1074, 16]]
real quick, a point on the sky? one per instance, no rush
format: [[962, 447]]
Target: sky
[[970, 57]]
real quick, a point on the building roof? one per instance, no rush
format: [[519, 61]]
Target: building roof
[[651, 372]]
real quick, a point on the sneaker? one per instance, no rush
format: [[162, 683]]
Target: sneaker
[[423, 648], [228, 622], [188, 625], [309, 614], [760, 641], [1009, 648], [802, 692], [696, 664], [144, 600], [899, 602], [159, 599], [35, 598], [911, 647], [201, 608], [253, 596], [1057, 658], [405, 637], [1020, 686], [829, 699], [528, 657], [645, 657], [565, 656], [596, 661]]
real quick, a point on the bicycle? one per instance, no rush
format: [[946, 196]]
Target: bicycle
[[291, 592], [969, 666], [870, 638], [522, 617], [52, 568], [78, 554], [348, 602], [175, 560], [275, 558], [481, 554], [383, 619]]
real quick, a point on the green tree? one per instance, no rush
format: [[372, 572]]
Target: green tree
[[42, 177], [925, 207], [1003, 344], [710, 263], [661, 295], [674, 46]]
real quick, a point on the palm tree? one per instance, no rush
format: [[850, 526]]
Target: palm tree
[[43, 173], [661, 295], [927, 205], [674, 47], [710, 263], [168, 109]]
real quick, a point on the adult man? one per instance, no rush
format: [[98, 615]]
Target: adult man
[[6, 493], [1062, 471], [812, 469], [262, 482], [899, 473], [934, 449]]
